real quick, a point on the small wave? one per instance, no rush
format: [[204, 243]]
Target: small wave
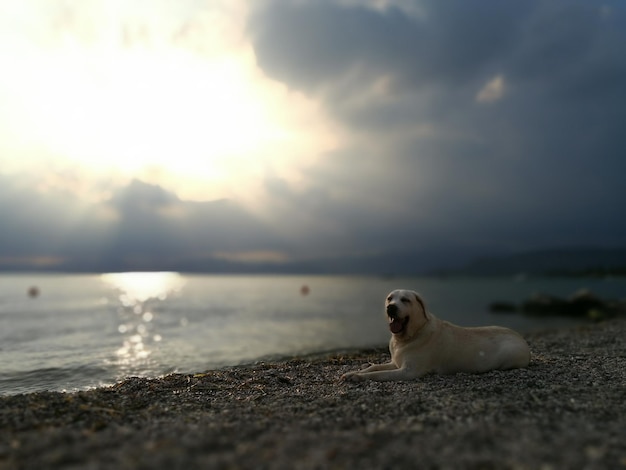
[[55, 379]]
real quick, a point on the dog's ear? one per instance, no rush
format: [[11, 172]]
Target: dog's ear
[[421, 302]]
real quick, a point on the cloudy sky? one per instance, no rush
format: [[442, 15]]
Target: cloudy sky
[[159, 134]]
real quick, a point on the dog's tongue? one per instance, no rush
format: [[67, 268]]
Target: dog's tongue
[[396, 326]]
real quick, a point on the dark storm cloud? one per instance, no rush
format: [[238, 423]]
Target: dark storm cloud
[[538, 162], [47, 229], [152, 221], [309, 44], [141, 226]]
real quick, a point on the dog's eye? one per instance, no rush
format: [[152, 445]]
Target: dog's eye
[[405, 300]]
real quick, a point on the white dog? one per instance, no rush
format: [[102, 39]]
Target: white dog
[[421, 343]]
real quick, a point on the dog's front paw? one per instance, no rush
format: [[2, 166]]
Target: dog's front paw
[[352, 377]]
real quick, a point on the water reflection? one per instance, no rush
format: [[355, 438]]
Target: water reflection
[[139, 287], [138, 294]]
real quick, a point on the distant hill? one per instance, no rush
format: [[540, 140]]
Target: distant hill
[[562, 262], [571, 261]]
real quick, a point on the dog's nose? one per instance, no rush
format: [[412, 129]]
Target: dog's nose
[[392, 310]]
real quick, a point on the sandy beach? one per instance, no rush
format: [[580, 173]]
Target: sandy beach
[[566, 410]]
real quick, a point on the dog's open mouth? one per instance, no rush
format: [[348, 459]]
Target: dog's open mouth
[[397, 325]]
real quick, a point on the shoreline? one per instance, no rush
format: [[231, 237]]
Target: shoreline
[[566, 410]]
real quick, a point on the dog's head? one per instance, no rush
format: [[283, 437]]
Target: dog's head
[[406, 312]]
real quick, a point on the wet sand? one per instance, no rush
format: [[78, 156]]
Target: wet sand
[[566, 410]]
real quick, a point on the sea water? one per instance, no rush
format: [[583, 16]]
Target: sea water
[[74, 332]]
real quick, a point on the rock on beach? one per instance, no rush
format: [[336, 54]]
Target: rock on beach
[[566, 410]]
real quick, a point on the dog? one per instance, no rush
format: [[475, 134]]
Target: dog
[[422, 343]]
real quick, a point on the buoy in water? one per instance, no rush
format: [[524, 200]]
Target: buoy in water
[[33, 291]]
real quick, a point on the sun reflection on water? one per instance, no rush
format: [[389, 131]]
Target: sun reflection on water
[[138, 293], [139, 287]]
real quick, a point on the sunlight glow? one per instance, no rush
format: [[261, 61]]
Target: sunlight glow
[[174, 100], [152, 109]]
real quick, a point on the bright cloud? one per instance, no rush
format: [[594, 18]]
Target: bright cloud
[[492, 91], [174, 97]]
